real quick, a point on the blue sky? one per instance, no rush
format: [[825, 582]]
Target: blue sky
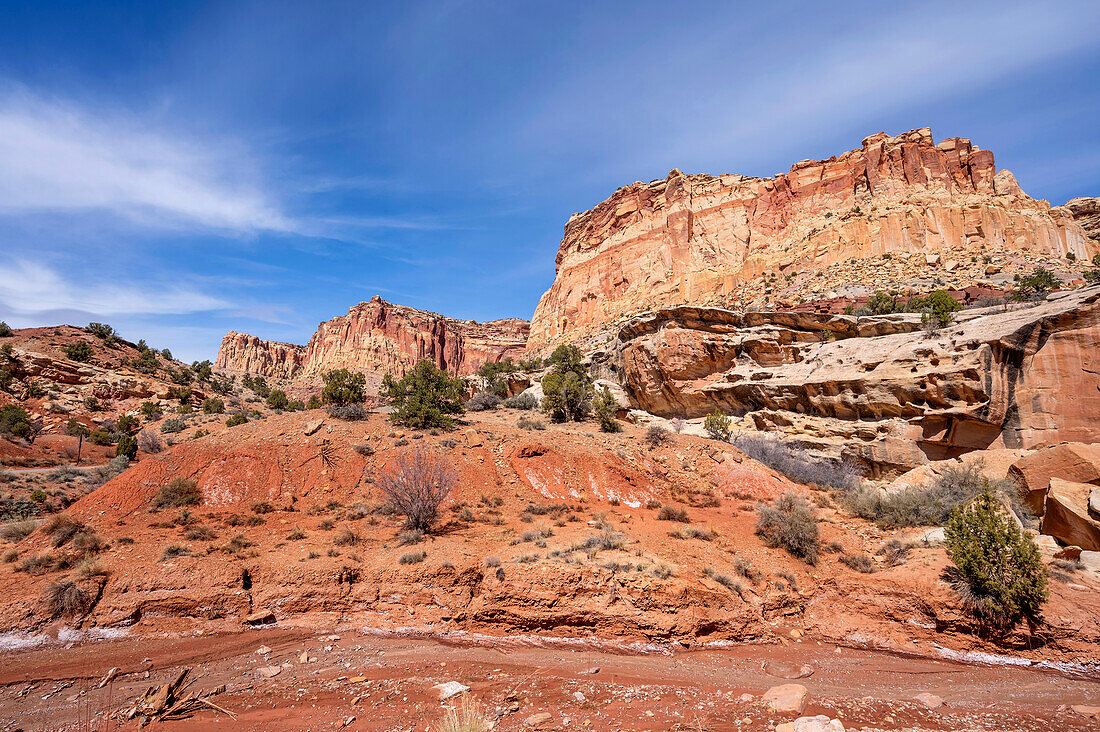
[[183, 169]]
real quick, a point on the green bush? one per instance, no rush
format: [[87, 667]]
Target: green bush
[[5, 330], [937, 310], [790, 524], [79, 351], [127, 423], [92, 404], [6, 377], [1036, 285], [35, 390], [522, 401], [881, 304], [344, 387], [717, 425], [102, 331], [151, 410], [236, 419], [15, 421], [211, 405], [425, 397], [277, 399], [314, 402], [604, 409], [566, 396], [127, 446], [1001, 573], [179, 492], [493, 374]]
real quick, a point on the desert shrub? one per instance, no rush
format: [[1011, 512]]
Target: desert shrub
[[178, 492], [314, 402], [296, 535], [79, 351], [567, 395], [88, 542], [127, 446], [93, 405], [894, 552], [277, 399], [113, 468], [1036, 285], [346, 537], [425, 397], [99, 437], [673, 513], [1001, 575], [238, 543], [728, 582], [127, 423], [5, 330], [6, 377], [199, 533], [210, 405], [413, 557], [101, 331], [790, 524], [236, 419], [606, 540], [61, 527], [15, 421], [262, 507], [172, 426], [937, 309], [16, 531], [66, 599], [522, 401], [859, 562], [348, 412], [410, 537], [797, 464], [881, 304], [656, 435], [35, 390], [717, 425], [530, 423], [604, 409], [929, 505], [343, 387], [492, 562], [416, 484], [174, 550], [694, 532], [151, 411], [149, 442], [484, 401]]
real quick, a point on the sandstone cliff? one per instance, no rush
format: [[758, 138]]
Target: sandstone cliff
[[378, 337], [875, 390], [734, 240]]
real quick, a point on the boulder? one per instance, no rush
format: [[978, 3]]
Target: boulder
[[787, 698], [820, 723], [929, 700], [450, 688], [260, 617], [312, 426], [1073, 461], [1066, 515]]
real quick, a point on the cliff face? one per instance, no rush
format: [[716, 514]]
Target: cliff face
[[378, 337], [880, 391], [733, 240]]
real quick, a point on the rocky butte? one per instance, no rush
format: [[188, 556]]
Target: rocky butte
[[378, 337], [942, 212]]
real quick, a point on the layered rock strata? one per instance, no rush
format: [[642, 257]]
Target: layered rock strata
[[734, 239], [378, 337]]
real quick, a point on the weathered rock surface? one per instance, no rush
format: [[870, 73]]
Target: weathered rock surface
[[787, 699], [1066, 515], [378, 337], [879, 391], [721, 240], [1079, 463], [1086, 212]]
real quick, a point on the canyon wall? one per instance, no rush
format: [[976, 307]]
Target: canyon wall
[[735, 241], [378, 337], [879, 391]]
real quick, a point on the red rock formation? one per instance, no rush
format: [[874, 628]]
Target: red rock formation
[[378, 337], [719, 240]]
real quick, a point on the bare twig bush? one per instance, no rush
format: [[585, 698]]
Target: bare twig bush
[[656, 435], [16, 531], [417, 484], [482, 402], [673, 513], [859, 562], [149, 442]]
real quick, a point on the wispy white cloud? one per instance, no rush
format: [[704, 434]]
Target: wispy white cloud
[[58, 156], [30, 288]]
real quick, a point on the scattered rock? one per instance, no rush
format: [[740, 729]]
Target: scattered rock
[[268, 672], [473, 439], [312, 426], [929, 700], [260, 617], [820, 723], [1086, 711], [538, 718], [263, 650], [787, 698], [450, 688], [787, 669]]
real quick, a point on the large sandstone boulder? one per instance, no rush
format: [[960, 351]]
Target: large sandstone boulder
[[1066, 515], [1076, 462]]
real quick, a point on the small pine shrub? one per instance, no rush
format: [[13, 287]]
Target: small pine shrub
[[79, 351], [604, 409], [127, 447], [210, 405], [236, 419], [1001, 575]]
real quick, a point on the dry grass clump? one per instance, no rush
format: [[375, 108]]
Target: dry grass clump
[[467, 717], [728, 582], [859, 562], [61, 528], [673, 513], [39, 564], [693, 532], [797, 464], [656, 436], [413, 557], [346, 537], [179, 492], [17, 531], [66, 599], [199, 533], [174, 550]]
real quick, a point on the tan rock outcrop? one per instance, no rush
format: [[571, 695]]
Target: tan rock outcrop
[[1086, 212], [1066, 515], [378, 337], [875, 390], [728, 239], [1076, 462]]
